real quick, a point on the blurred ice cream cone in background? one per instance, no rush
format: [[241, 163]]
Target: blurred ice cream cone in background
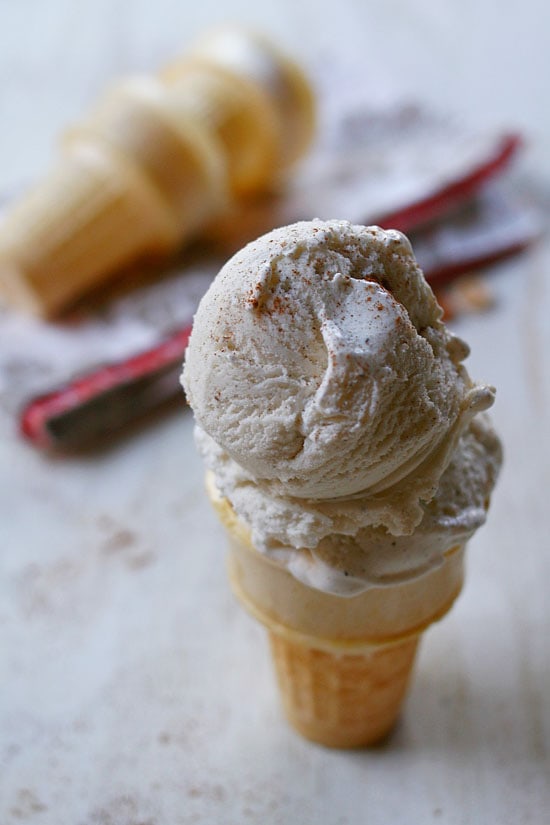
[[156, 161], [258, 103]]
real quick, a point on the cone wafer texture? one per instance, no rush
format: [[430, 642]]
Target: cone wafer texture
[[342, 700], [342, 665], [157, 161]]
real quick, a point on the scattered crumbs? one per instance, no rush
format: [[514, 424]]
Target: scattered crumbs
[[27, 804], [105, 522], [10, 751], [141, 560], [43, 590], [123, 540], [120, 539], [466, 295], [215, 793], [122, 810]]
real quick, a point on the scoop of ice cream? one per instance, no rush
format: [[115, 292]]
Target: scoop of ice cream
[[319, 366], [348, 564], [339, 546]]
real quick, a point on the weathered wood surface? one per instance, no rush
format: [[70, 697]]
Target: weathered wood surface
[[132, 689]]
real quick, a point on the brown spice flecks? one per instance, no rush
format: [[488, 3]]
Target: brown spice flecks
[[254, 296], [228, 341], [278, 306]]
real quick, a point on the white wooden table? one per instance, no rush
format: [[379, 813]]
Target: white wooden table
[[133, 690]]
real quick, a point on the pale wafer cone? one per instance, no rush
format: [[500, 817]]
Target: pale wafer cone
[[234, 109], [342, 700], [278, 79], [111, 200], [343, 664], [157, 161]]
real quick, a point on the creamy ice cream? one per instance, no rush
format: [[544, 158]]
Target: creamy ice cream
[[334, 410]]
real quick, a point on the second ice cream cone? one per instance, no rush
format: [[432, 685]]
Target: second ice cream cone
[[234, 110], [277, 79], [106, 205], [158, 160]]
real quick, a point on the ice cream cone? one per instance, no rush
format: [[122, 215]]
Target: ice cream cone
[[343, 663], [233, 109], [157, 160], [279, 80], [105, 206]]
